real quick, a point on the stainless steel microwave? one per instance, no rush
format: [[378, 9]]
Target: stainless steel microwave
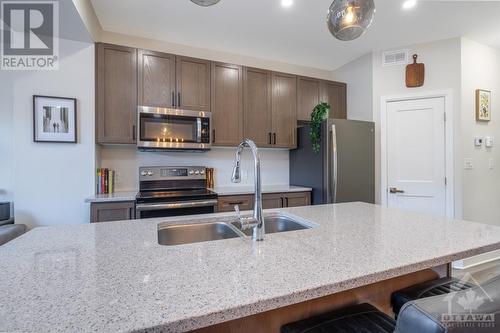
[[173, 129]]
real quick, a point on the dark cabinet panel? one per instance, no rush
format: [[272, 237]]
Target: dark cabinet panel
[[116, 94], [193, 84], [308, 96], [227, 203], [270, 201], [257, 106], [335, 94], [297, 199], [156, 79], [227, 104], [112, 211], [284, 115]]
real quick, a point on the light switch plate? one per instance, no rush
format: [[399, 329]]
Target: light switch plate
[[468, 164], [489, 141]]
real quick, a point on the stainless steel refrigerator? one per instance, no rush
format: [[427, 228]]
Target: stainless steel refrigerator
[[344, 169]]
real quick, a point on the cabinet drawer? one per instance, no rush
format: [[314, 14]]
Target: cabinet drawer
[[270, 201], [227, 203], [112, 211], [297, 199]]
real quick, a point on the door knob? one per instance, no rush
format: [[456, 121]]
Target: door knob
[[395, 190]]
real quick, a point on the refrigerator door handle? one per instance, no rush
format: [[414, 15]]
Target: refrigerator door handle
[[333, 170]]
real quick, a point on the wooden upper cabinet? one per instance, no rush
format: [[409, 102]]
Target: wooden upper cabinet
[[308, 96], [156, 79], [193, 84], [284, 115], [335, 94], [116, 94], [227, 104], [257, 106]]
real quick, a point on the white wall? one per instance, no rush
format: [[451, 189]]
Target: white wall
[[234, 58], [481, 186], [358, 75], [6, 153], [442, 72], [127, 160], [50, 181]]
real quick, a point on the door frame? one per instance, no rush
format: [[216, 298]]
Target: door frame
[[449, 143]]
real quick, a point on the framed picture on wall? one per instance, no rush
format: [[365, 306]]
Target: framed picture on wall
[[54, 119], [483, 105]]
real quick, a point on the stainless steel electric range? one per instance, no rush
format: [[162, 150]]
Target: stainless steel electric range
[[173, 191]]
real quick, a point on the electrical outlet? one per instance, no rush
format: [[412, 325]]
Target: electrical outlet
[[490, 141], [468, 164]]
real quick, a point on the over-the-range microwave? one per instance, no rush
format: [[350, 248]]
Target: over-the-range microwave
[[173, 129]]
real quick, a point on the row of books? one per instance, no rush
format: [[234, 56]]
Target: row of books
[[105, 181]]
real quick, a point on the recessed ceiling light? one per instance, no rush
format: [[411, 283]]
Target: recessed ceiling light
[[286, 3], [408, 4]]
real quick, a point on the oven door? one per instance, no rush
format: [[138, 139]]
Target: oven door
[[173, 129], [182, 208]]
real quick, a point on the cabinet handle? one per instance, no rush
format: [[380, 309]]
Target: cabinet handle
[[274, 138], [286, 200], [173, 99], [236, 203], [179, 100], [270, 139], [213, 135], [133, 133], [282, 204]]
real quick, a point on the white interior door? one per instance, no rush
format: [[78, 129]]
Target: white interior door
[[416, 155]]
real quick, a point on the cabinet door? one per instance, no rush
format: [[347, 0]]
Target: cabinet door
[[308, 96], [156, 79], [284, 110], [116, 97], [335, 93], [112, 211], [227, 203], [193, 84], [257, 106], [227, 104], [298, 199], [270, 201]]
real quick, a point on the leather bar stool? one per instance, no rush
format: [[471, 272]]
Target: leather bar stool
[[436, 287], [474, 310], [362, 318]]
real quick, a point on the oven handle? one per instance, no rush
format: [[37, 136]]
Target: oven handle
[[175, 205]]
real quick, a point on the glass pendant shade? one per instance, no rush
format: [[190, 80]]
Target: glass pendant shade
[[205, 3], [349, 19]]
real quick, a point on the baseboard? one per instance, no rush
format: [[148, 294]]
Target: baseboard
[[477, 260]]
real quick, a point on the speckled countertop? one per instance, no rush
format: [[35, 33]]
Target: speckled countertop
[[114, 277], [221, 190]]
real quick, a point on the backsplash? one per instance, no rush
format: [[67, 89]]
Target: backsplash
[[127, 160]]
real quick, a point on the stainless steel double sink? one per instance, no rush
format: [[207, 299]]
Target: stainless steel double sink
[[210, 231]]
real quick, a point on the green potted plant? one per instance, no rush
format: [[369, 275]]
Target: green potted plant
[[318, 116]]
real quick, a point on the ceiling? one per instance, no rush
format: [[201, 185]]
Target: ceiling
[[296, 35]]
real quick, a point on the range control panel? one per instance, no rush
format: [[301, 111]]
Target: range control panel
[[171, 173]]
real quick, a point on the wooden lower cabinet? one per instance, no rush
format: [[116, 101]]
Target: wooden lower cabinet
[[112, 211], [269, 201]]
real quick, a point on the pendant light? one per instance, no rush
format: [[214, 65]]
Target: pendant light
[[205, 3], [349, 19]]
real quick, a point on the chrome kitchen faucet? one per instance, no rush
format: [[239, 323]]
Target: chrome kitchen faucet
[[257, 220]]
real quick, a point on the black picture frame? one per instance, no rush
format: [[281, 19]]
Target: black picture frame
[[74, 123]]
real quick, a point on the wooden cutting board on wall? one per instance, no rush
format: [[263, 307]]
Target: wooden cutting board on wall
[[415, 74]]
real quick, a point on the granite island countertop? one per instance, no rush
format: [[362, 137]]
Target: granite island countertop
[[114, 277]]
